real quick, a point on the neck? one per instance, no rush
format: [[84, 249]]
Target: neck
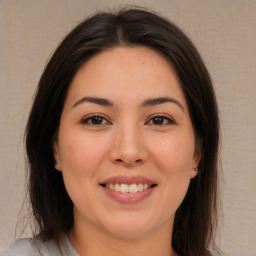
[[91, 241]]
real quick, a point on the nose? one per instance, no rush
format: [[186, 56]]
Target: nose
[[128, 147]]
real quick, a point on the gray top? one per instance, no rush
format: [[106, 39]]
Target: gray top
[[33, 247]]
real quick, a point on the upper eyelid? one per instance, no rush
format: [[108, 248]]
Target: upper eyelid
[[147, 120], [95, 115], [161, 115]]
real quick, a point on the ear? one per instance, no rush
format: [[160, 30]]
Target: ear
[[56, 155], [196, 160]]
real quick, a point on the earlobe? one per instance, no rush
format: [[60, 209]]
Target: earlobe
[[196, 161], [194, 173]]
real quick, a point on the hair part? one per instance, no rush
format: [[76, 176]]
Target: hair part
[[196, 218]]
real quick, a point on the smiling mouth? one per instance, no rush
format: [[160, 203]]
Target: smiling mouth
[[128, 188]]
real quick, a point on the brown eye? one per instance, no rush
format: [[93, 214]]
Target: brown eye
[[95, 120], [160, 120]]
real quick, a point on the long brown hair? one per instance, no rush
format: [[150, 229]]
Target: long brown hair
[[195, 219]]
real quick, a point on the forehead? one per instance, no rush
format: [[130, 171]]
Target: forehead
[[126, 72], [129, 59]]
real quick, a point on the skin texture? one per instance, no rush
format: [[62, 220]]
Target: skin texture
[[128, 140]]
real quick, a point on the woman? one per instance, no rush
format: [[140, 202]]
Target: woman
[[122, 143]]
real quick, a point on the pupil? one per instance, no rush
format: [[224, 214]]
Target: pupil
[[97, 120], [158, 120]]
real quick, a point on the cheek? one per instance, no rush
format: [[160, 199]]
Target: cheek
[[175, 156], [174, 159], [81, 159], [81, 155]]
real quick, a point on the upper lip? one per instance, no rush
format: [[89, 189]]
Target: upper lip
[[121, 179]]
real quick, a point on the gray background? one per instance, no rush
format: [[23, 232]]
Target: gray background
[[223, 31]]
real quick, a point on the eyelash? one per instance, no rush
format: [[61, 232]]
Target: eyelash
[[166, 120], [163, 117], [88, 119]]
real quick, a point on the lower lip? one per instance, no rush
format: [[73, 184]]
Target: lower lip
[[128, 198]]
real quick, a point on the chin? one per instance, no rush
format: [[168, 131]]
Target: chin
[[130, 229], [129, 232]]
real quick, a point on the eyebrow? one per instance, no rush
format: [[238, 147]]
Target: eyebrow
[[161, 100], [96, 100], [146, 103]]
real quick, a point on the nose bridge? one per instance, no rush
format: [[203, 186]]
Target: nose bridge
[[128, 145]]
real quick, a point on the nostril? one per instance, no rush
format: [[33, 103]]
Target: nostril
[[119, 160]]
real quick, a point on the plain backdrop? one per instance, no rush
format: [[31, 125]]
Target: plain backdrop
[[223, 31]]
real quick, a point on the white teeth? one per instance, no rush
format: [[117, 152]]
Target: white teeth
[[133, 188], [140, 187], [145, 186], [117, 187], [125, 188]]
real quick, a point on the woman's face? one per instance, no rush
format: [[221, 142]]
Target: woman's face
[[125, 126]]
